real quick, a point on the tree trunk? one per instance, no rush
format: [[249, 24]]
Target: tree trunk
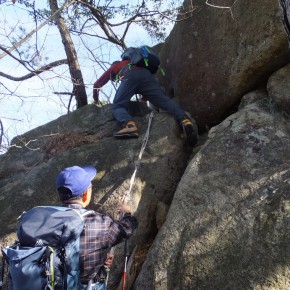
[[74, 67]]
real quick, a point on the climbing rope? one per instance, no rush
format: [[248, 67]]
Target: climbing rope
[[126, 197]]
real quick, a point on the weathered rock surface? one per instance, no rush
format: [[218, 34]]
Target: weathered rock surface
[[228, 224], [279, 90], [216, 56], [85, 137], [28, 172]]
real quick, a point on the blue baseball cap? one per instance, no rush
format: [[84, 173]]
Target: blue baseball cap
[[77, 179]]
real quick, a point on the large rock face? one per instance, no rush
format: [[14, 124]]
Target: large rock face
[[279, 89], [216, 56], [228, 224], [28, 170]]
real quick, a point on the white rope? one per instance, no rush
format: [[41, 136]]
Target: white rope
[[126, 196]]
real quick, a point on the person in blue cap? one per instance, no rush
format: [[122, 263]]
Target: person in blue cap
[[101, 232]]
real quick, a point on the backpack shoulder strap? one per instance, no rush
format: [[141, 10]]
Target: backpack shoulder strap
[[122, 71]]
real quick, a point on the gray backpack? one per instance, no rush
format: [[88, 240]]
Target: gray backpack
[[143, 56], [47, 253]]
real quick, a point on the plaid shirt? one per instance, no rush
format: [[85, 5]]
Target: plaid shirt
[[101, 232]]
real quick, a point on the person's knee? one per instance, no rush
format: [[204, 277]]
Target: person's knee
[[115, 106]]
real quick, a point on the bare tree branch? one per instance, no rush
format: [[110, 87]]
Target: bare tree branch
[[17, 59], [19, 43], [36, 72], [104, 24]]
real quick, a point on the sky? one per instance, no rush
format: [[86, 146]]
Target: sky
[[33, 102]]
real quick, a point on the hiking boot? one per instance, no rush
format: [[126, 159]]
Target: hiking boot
[[189, 132], [129, 131]]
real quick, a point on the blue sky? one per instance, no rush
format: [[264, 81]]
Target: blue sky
[[39, 105]]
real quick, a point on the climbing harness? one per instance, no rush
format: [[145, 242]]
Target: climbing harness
[[126, 198]]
